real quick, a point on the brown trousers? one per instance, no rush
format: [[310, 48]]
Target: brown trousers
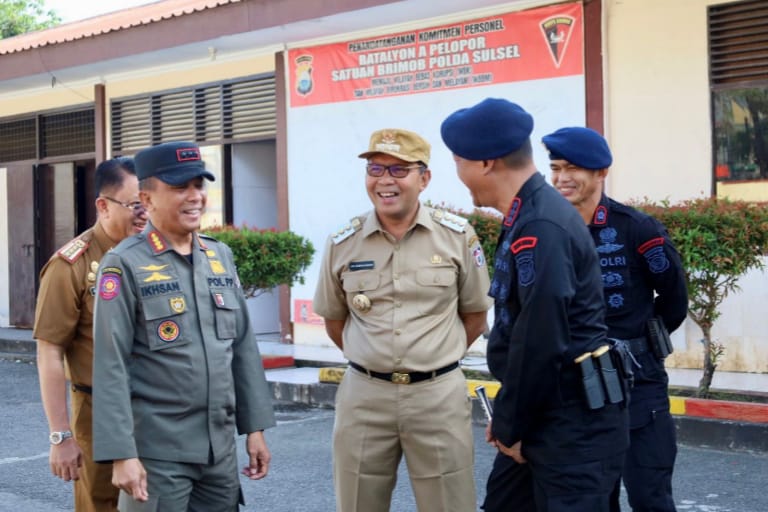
[[94, 491], [378, 422]]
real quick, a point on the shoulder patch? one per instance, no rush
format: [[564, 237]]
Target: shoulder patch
[[73, 250], [347, 231], [450, 220]]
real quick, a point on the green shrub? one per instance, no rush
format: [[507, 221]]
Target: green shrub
[[265, 258], [719, 241]]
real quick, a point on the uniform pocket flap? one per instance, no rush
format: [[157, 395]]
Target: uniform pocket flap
[[225, 299], [164, 307], [436, 276], [360, 281]]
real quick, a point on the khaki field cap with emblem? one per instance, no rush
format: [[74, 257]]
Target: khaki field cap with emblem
[[398, 143]]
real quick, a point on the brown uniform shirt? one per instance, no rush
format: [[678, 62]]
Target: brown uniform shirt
[[416, 286], [64, 312]]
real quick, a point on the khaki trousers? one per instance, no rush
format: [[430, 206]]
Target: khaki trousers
[[94, 491], [377, 422]]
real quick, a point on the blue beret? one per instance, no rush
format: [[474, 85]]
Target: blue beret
[[175, 163], [491, 129], [583, 147]]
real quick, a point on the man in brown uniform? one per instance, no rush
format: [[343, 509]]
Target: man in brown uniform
[[63, 329], [403, 290]]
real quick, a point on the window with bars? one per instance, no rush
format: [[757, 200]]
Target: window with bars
[[214, 113], [48, 135], [738, 51]]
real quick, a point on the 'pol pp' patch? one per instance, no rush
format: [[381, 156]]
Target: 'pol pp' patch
[[168, 331], [109, 286]]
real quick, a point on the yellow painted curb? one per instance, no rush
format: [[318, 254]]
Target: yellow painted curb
[[332, 375], [677, 405], [491, 387]]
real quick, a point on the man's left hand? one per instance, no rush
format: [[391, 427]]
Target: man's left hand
[[258, 456], [514, 451]]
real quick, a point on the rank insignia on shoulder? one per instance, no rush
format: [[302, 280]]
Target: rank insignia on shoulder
[[217, 267], [523, 243], [157, 242], [346, 231], [450, 220], [73, 250]]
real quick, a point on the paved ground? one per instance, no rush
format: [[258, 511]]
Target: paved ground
[[300, 481]]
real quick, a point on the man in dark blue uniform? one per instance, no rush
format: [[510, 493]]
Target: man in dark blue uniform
[[644, 281], [549, 313]]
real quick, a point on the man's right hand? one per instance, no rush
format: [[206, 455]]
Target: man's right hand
[[130, 476], [66, 459]]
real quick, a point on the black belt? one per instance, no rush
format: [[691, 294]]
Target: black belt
[[638, 346], [82, 388], [405, 378]]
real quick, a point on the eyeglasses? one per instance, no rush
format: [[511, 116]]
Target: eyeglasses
[[396, 171], [135, 206]]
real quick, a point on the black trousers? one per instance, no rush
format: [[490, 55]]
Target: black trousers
[[540, 487], [648, 466]]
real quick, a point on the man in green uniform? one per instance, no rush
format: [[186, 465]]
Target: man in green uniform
[[403, 290], [176, 365], [64, 333]]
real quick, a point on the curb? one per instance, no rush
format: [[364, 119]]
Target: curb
[[716, 423], [25, 351]]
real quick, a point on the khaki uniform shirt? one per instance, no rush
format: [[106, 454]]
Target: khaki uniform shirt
[[64, 312], [416, 286], [176, 364]]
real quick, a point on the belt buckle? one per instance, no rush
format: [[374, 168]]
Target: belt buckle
[[400, 378]]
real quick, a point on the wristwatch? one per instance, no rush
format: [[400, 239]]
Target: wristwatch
[[59, 437]]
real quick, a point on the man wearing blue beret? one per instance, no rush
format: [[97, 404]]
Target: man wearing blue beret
[[561, 446], [645, 295]]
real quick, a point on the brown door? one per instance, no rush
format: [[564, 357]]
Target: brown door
[[56, 208], [22, 269]]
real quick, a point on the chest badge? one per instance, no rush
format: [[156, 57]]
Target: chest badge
[[178, 305], [91, 277], [436, 259], [361, 303], [94, 266]]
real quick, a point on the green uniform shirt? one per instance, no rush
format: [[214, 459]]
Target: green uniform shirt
[[176, 365]]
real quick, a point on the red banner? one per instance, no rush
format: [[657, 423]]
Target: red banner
[[526, 45]]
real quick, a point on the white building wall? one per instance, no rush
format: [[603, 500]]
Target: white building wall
[[657, 112]]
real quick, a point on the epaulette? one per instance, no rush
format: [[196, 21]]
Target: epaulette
[[75, 248], [450, 220], [347, 231]]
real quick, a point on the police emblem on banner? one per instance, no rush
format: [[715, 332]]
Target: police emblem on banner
[[557, 31], [178, 305], [168, 331], [303, 73]]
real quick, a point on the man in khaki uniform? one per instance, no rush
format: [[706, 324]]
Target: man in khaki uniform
[[63, 329], [403, 290], [176, 366]]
